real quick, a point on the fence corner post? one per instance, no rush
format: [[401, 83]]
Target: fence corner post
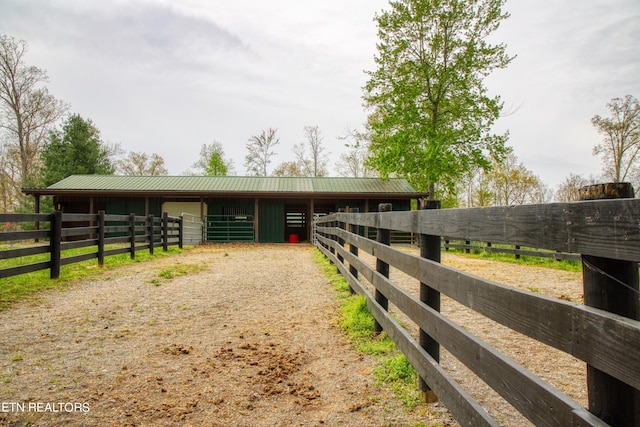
[[132, 240], [181, 232], [151, 232], [353, 249], [55, 242], [383, 237], [165, 231], [611, 285], [340, 224], [430, 248], [101, 225]]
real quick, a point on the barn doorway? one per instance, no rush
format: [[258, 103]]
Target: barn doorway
[[296, 229]]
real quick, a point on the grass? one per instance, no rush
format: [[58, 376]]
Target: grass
[[18, 288], [177, 271], [565, 265], [392, 367]]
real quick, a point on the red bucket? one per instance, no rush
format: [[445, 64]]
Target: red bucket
[[293, 238]]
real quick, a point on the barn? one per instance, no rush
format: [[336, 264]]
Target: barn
[[229, 208]]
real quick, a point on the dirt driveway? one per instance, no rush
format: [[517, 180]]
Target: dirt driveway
[[244, 338], [236, 335]]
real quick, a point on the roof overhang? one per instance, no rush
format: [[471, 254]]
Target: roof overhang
[[219, 194]]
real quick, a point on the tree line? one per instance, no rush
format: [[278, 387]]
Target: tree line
[[430, 121]]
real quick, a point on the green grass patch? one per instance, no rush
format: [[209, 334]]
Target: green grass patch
[[392, 367], [177, 271], [566, 265], [17, 288]]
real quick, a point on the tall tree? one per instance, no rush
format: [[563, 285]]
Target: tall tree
[[513, 184], [76, 149], [213, 161], [569, 189], [431, 115], [27, 110], [260, 151], [316, 163], [353, 163], [621, 144], [138, 163]]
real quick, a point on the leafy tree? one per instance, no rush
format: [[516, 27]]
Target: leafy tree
[[260, 151], [288, 169], [216, 166], [431, 115], [27, 113], [476, 189], [138, 163], [213, 161], [621, 144], [76, 149]]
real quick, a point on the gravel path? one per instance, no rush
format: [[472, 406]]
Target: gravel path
[[244, 338], [235, 335]]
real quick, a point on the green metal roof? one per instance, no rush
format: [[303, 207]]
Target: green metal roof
[[225, 184]]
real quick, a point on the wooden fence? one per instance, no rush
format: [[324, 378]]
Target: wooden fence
[[72, 231], [607, 235]]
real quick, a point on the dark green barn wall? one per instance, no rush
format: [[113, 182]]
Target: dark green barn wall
[[271, 221], [126, 207]]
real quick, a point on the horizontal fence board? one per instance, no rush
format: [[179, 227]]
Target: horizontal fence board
[[78, 244], [71, 217], [534, 398], [78, 231], [117, 229], [118, 251], [24, 235], [22, 269], [604, 228], [25, 218], [465, 409], [119, 218], [20, 252], [78, 258], [115, 240], [602, 339]]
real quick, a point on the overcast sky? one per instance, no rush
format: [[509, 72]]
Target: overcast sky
[[166, 76]]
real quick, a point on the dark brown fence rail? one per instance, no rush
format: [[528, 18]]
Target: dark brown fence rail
[[608, 342], [65, 231]]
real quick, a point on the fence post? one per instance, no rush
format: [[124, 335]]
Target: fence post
[[101, 225], [151, 234], [430, 248], [340, 241], [181, 231], [611, 285], [353, 228], [165, 231], [132, 240], [56, 238], [384, 237]]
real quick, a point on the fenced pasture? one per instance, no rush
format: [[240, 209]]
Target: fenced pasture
[[605, 335], [99, 235]]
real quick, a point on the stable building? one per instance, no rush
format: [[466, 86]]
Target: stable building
[[229, 208]]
